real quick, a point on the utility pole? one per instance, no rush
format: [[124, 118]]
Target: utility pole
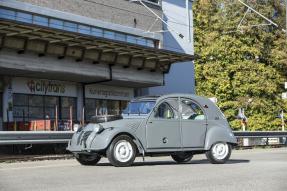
[[188, 9]]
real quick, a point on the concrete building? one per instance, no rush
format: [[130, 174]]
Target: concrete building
[[179, 17], [65, 60]]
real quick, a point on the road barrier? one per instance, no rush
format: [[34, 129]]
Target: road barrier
[[48, 137], [34, 137]]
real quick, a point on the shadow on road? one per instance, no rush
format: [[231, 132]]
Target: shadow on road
[[197, 162]]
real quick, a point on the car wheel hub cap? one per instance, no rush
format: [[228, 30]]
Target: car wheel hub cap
[[123, 151], [220, 151]]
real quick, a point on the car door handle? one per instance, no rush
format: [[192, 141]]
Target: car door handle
[[150, 122], [164, 140]]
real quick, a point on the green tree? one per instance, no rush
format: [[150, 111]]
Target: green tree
[[245, 66]]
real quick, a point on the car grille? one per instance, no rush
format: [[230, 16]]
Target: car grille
[[80, 137], [86, 135], [83, 137]]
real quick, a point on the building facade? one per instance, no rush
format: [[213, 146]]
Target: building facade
[[178, 16], [64, 61]]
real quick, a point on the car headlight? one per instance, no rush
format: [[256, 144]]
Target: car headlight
[[80, 129], [99, 129]]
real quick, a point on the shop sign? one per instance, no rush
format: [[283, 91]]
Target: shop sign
[[109, 92], [43, 87]]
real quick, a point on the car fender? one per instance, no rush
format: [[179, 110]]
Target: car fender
[[103, 140], [219, 134]]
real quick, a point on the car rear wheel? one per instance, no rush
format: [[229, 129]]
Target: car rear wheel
[[182, 157], [219, 153], [122, 151], [85, 159]]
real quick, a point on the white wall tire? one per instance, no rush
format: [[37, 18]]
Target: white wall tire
[[122, 151], [219, 153]]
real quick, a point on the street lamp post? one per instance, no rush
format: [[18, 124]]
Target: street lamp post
[[282, 120]]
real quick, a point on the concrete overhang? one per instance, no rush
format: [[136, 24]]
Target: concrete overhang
[[43, 40]]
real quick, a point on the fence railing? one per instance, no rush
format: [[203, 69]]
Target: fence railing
[[48, 137], [34, 137]]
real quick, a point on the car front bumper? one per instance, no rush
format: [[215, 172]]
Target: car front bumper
[[80, 142]]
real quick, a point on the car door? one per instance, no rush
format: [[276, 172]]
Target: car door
[[193, 123], [163, 126]]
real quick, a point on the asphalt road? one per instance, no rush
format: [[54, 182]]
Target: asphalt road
[[257, 169]]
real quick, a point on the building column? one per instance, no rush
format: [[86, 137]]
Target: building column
[[80, 103], [7, 100]]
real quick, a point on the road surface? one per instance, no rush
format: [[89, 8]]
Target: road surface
[[256, 169]]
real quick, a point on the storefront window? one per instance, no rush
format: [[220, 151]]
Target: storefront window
[[113, 107], [123, 105], [50, 107], [20, 109], [34, 107], [103, 107], [90, 109], [68, 108]]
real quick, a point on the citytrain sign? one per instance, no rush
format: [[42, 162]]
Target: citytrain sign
[[44, 87]]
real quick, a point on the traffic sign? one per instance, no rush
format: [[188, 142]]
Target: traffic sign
[[284, 95]]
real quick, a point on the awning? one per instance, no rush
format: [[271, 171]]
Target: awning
[[43, 40]]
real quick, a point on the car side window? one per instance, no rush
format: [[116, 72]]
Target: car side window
[[167, 109], [191, 110]]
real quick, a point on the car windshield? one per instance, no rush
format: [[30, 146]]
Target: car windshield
[[139, 107]]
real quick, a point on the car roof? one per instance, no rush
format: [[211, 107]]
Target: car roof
[[160, 97], [212, 111], [146, 98]]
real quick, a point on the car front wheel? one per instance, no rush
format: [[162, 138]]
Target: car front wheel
[[122, 151], [219, 153], [182, 157], [85, 159]]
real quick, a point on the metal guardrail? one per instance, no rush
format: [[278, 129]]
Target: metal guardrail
[[34, 137], [46, 137], [260, 134]]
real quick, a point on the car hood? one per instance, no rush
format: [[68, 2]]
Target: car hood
[[131, 124], [123, 123]]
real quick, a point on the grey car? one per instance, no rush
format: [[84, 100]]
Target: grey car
[[176, 125]]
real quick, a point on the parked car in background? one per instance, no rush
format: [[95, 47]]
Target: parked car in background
[[178, 125]]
